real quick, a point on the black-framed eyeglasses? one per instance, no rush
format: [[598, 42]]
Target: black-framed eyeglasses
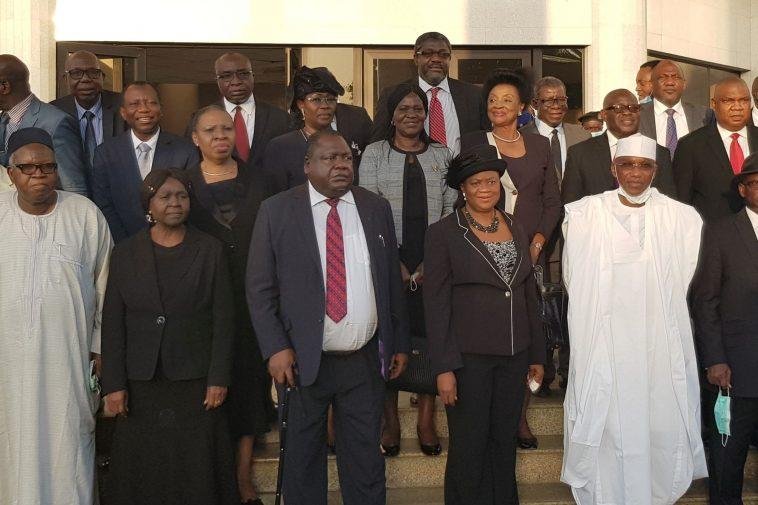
[[750, 184], [559, 101], [242, 75], [77, 73], [628, 165], [428, 53], [618, 108], [322, 100], [31, 168]]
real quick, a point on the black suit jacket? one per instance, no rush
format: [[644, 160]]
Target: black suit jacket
[[354, 123], [191, 328], [703, 175], [725, 301], [467, 98], [285, 282], [468, 305], [588, 170], [116, 179], [538, 206], [113, 123]]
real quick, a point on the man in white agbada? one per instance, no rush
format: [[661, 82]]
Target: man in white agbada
[[53, 270], [632, 408]]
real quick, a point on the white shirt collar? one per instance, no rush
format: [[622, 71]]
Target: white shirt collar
[[152, 141], [248, 105], [96, 109], [317, 197], [661, 108], [612, 139], [726, 135], [753, 218], [545, 129], [425, 86]]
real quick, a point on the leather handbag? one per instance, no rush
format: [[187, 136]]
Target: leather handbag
[[553, 310], [417, 376]]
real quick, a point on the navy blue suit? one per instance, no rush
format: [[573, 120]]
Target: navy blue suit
[[116, 178]]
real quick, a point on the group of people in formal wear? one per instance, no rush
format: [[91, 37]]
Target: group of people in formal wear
[[164, 281]]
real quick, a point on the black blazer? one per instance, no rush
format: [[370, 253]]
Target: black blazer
[[236, 235], [467, 98], [725, 301], [468, 306], [354, 123], [113, 123], [538, 207], [116, 179], [285, 286], [703, 175], [588, 170], [192, 328]]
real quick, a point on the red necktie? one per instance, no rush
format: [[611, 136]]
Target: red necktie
[[242, 143], [336, 283], [437, 119], [736, 156]]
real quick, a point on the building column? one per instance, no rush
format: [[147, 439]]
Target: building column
[[27, 31], [619, 47]]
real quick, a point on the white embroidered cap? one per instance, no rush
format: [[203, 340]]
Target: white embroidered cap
[[636, 145]]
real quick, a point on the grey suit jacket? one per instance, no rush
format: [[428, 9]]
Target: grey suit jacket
[[697, 116], [72, 167], [574, 133]]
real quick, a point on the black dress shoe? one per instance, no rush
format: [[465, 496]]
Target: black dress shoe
[[527, 443], [429, 450], [390, 451]]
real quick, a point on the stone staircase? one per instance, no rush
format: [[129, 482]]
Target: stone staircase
[[416, 479]]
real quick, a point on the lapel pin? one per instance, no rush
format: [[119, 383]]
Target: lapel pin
[[381, 239]]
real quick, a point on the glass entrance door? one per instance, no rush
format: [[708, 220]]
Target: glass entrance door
[[121, 64]]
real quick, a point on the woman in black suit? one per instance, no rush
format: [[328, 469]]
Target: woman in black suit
[[485, 337], [530, 183], [167, 333], [225, 198]]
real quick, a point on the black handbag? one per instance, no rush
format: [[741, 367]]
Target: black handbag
[[553, 310], [417, 376]]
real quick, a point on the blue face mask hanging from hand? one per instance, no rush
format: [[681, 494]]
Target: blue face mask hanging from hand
[[723, 414]]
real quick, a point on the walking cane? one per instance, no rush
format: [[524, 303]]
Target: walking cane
[[285, 406]]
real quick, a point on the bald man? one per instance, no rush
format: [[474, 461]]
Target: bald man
[[19, 108], [707, 160], [667, 118], [94, 108], [754, 116]]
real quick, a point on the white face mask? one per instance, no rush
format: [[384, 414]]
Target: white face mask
[[639, 199], [647, 99], [597, 134]]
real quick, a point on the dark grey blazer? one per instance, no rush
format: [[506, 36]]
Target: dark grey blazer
[[725, 301], [574, 133], [696, 115], [191, 328], [113, 123], [285, 286], [703, 174], [588, 170]]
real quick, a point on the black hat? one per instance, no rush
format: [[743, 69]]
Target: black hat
[[750, 166], [315, 80], [26, 136], [477, 159]]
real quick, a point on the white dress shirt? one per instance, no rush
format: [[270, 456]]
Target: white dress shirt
[[359, 325], [753, 220], [248, 114], [97, 121], [726, 138], [152, 142], [452, 128], [612, 141], [755, 116], [547, 131], [661, 120]]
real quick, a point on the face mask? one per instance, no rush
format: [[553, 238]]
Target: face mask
[[647, 99], [639, 199], [597, 134], [723, 414]]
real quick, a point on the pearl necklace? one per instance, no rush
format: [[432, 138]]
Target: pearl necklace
[[518, 136]]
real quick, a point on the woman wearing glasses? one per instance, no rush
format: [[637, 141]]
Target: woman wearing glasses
[[314, 107], [530, 182]]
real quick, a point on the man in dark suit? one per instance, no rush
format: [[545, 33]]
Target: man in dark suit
[[725, 311], [588, 164], [455, 107], [19, 108], [667, 118], [255, 122], [123, 162], [754, 115], [707, 159], [354, 123], [326, 300], [95, 109]]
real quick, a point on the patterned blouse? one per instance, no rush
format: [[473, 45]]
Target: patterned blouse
[[505, 255]]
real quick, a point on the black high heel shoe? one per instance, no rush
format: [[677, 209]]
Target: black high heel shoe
[[527, 443], [429, 450], [390, 451]]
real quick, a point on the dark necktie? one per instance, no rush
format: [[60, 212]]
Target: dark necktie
[[671, 137], [4, 118], [336, 281], [555, 149], [437, 119], [90, 140], [241, 142]]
